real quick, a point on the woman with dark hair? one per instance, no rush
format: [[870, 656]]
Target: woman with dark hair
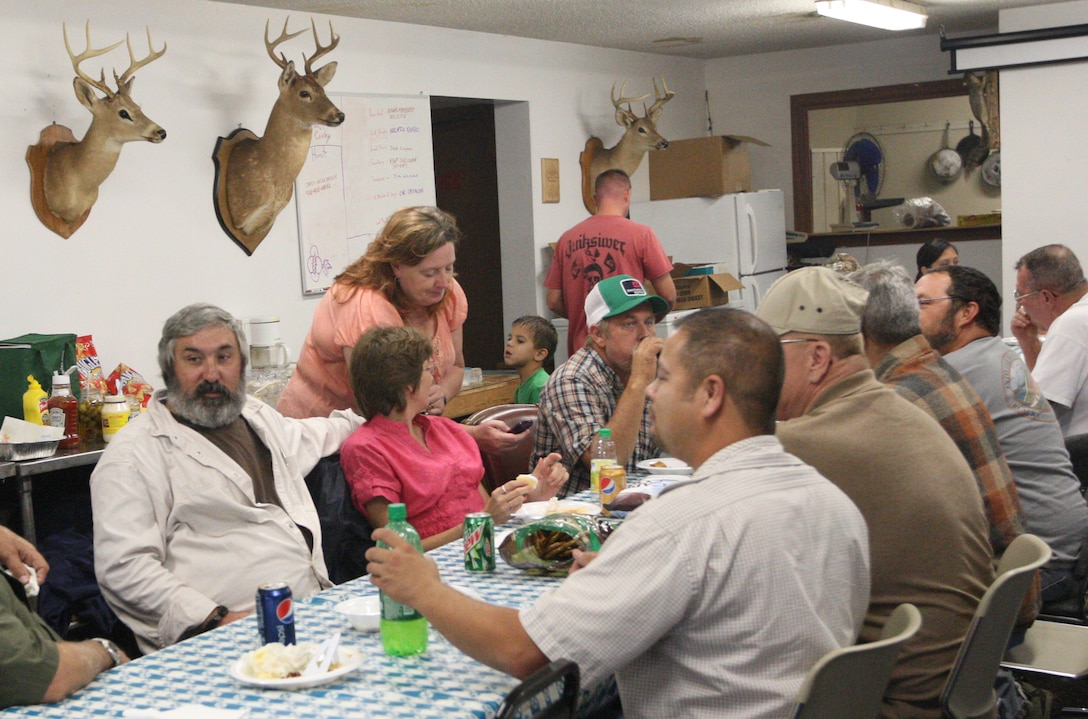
[[406, 278], [429, 463], [936, 253]]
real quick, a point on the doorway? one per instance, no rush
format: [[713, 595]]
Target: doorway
[[466, 186]]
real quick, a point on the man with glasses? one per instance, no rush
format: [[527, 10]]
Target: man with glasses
[[961, 318], [902, 359], [1052, 297], [604, 383], [928, 536]]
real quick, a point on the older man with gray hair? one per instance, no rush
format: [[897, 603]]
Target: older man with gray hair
[[1052, 297], [901, 357], [928, 536], [202, 497]]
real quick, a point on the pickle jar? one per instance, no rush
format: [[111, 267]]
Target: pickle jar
[[90, 416]]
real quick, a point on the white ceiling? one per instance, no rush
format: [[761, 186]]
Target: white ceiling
[[689, 28]]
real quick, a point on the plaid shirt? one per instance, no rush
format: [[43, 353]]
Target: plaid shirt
[[920, 375], [576, 402]]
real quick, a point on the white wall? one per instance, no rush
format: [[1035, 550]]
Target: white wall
[[750, 95], [152, 243], [1043, 154]]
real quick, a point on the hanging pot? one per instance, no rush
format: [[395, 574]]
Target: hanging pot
[[991, 169], [968, 148], [945, 165]]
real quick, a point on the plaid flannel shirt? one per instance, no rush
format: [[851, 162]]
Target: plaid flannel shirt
[[579, 399]]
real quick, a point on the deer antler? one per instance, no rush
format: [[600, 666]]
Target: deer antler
[[616, 102], [281, 61], [334, 40], [133, 64], [660, 98], [87, 55]]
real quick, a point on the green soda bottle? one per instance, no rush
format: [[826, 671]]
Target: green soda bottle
[[404, 630]]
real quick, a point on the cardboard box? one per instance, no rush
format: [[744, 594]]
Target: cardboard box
[[987, 218], [702, 167], [702, 290]]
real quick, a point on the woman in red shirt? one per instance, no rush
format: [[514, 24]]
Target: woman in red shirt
[[429, 463]]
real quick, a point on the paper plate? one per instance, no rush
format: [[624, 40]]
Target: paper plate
[[350, 660], [672, 465], [537, 510]]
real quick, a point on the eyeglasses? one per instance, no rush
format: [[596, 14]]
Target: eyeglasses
[[1017, 296], [930, 300], [796, 340]]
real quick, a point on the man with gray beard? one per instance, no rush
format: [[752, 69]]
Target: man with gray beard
[[202, 497]]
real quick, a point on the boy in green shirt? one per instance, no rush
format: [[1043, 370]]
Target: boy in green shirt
[[530, 344]]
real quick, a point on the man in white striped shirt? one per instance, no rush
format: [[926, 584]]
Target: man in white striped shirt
[[713, 599]]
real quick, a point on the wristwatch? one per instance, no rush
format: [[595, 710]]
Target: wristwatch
[[111, 649]]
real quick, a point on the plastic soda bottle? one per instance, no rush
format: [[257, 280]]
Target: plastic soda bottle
[[604, 454], [404, 630]]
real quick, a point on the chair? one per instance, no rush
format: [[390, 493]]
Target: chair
[[969, 690], [504, 465], [345, 532], [849, 683], [1077, 445], [522, 696]]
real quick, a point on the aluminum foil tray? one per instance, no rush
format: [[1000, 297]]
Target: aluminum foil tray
[[16, 451]]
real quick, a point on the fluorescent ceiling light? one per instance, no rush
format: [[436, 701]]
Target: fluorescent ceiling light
[[884, 14]]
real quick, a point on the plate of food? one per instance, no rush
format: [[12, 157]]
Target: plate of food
[[664, 465], [276, 666], [537, 510]]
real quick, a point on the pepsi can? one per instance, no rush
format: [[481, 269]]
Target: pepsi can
[[275, 614]]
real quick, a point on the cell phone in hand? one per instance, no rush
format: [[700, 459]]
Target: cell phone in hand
[[521, 426]]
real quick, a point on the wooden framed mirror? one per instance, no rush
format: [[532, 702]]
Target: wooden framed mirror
[[802, 148]]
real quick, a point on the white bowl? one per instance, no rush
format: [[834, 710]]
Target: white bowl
[[364, 613]]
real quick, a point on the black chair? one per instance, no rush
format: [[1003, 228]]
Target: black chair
[[345, 533], [1074, 610], [536, 687], [1077, 445]]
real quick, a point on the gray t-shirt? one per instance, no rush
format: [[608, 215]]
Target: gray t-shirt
[[1054, 509]]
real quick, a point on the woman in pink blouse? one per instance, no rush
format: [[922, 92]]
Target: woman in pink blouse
[[406, 278], [429, 463]]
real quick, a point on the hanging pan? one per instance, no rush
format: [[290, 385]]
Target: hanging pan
[[991, 169], [972, 149], [945, 165]]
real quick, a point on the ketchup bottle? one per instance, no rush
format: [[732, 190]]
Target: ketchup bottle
[[64, 411]]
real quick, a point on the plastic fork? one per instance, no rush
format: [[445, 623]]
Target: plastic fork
[[323, 657]]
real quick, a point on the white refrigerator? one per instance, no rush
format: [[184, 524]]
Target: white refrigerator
[[745, 232]]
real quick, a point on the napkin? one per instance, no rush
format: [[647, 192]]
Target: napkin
[[187, 711], [15, 431]]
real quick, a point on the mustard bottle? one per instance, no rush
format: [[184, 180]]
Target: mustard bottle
[[34, 403]]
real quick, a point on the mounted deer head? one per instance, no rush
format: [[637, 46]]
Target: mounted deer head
[[641, 136], [73, 170], [255, 175]]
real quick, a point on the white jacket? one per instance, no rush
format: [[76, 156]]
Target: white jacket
[[177, 530]]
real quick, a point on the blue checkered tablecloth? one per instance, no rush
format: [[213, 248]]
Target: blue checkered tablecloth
[[443, 682]]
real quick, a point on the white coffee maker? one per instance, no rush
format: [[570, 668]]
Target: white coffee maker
[[265, 347], [269, 359]]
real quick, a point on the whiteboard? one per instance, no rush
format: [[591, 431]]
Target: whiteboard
[[358, 174]]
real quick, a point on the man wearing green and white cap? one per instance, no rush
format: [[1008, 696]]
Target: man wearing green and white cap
[[604, 383], [928, 536]]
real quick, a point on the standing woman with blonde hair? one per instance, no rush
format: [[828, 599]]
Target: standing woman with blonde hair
[[406, 278]]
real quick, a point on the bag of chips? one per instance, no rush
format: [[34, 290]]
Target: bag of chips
[[90, 368], [547, 545], [129, 382]]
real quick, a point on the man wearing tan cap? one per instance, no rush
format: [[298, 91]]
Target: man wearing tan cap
[[928, 535]]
